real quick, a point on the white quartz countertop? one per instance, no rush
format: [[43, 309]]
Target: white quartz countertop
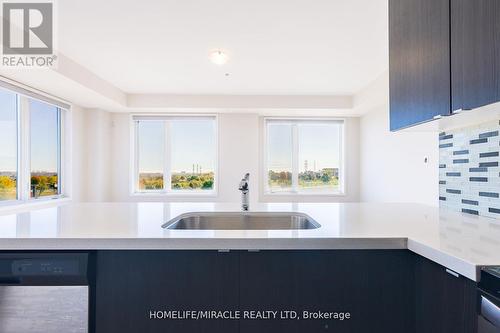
[[460, 242]]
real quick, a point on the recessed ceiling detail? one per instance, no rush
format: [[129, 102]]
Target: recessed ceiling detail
[[280, 47]]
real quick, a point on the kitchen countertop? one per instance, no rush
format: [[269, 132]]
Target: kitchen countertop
[[460, 242]]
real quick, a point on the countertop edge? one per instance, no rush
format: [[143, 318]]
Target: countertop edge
[[203, 243], [467, 269], [462, 267]]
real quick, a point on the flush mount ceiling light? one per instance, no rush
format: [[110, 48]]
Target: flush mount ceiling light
[[218, 57]]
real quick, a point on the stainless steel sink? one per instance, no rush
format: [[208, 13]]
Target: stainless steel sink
[[242, 221]]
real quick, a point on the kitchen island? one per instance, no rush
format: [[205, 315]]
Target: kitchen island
[[461, 242], [369, 267]]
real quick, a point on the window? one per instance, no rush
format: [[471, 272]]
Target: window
[[150, 153], [303, 156], [44, 149], [30, 146], [8, 145], [175, 155]]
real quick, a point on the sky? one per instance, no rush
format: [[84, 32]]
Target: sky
[[43, 126], [192, 142], [8, 132], [318, 144], [279, 150], [43, 136]]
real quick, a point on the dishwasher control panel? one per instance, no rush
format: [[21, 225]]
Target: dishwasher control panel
[[44, 267], [41, 268]]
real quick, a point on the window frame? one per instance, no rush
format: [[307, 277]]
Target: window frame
[[10, 202], [23, 136], [60, 150], [167, 190], [295, 191]]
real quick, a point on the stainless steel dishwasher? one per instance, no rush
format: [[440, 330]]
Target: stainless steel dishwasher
[[488, 319], [44, 292]]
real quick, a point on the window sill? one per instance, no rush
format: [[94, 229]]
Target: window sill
[[15, 205], [303, 197], [304, 194], [211, 194]]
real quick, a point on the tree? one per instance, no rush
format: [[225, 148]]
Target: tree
[[325, 178], [39, 184], [208, 184], [7, 183], [195, 184]]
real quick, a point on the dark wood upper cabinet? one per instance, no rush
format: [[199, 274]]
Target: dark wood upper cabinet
[[444, 55], [419, 61], [475, 53]]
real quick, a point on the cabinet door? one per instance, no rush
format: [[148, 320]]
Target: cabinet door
[[419, 61], [130, 284], [475, 53], [375, 287], [445, 303], [269, 281]]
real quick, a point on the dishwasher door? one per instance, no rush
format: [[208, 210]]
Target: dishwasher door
[[488, 319], [44, 309], [489, 313], [44, 293]]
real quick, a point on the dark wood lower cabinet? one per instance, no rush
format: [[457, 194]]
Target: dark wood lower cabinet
[[130, 284], [445, 303], [374, 287], [382, 290], [269, 281]]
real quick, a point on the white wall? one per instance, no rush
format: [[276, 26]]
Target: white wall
[[98, 132], [392, 163], [239, 153], [78, 154], [380, 166], [91, 160]]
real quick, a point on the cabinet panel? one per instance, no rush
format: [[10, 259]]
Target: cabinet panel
[[475, 56], [383, 290], [419, 61], [375, 287], [269, 281], [445, 303], [131, 283]]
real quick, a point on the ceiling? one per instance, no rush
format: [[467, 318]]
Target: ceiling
[[277, 47]]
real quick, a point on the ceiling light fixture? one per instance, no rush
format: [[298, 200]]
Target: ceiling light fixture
[[218, 57]]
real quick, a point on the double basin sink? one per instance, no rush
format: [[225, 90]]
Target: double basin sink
[[241, 221]]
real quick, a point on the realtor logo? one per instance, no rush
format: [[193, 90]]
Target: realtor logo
[[28, 34], [27, 28]]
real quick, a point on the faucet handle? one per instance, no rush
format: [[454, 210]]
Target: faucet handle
[[244, 182]]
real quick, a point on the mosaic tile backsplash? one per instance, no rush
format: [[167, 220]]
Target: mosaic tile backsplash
[[469, 172]]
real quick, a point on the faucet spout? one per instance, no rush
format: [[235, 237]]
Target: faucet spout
[[245, 192]]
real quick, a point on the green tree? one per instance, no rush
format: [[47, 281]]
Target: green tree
[[208, 184], [7, 183], [325, 178], [39, 184]]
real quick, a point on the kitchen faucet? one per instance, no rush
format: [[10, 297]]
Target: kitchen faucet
[[244, 192]]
